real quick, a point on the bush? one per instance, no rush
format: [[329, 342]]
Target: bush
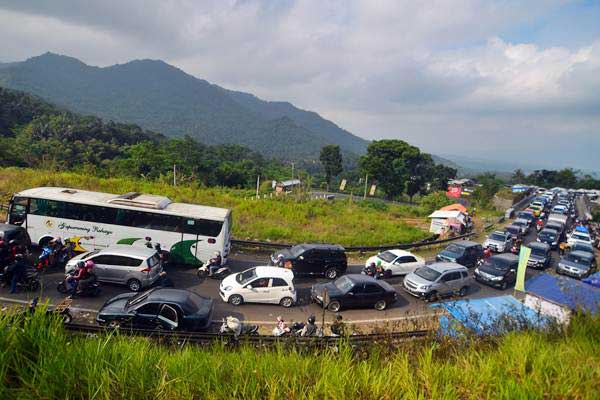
[[434, 201]]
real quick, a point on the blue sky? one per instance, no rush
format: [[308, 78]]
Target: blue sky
[[503, 80]]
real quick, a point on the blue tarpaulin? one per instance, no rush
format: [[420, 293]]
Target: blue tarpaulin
[[593, 279], [568, 292], [490, 315], [583, 229]]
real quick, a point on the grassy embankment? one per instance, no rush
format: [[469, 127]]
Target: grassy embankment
[[39, 360], [280, 220]]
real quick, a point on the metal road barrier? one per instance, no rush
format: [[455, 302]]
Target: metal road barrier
[[205, 339]]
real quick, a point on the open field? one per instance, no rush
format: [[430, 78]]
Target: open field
[[281, 220], [40, 361]]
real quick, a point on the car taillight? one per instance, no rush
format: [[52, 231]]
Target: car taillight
[[147, 269], [212, 241]]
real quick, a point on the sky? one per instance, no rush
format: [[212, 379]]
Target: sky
[[500, 80]]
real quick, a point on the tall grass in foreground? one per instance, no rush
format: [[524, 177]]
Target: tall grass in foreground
[[39, 360], [283, 220]]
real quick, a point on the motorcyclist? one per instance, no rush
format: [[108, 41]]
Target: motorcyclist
[[85, 276], [148, 243], [281, 328], [337, 327], [371, 269], [379, 271], [17, 271], [214, 263], [310, 328], [72, 280], [487, 253]]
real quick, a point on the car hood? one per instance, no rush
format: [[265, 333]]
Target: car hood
[[230, 281], [535, 257], [116, 305], [488, 269], [286, 253], [417, 280], [332, 290]]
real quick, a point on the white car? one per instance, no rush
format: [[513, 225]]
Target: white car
[[579, 237], [260, 285], [399, 262]]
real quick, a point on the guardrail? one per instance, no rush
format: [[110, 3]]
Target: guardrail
[[201, 338]]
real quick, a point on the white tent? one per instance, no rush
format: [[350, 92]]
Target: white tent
[[440, 220]]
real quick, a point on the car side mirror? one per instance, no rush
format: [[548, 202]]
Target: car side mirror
[[350, 294], [301, 257]]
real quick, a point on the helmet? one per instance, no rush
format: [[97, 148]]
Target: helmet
[[379, 263], [148, 239], [80, 264], [217, 253], [89, 264], [19, 256], [311, 319], [13, 242]]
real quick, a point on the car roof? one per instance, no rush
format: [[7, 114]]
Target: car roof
[[442, 267], [128, 251], [168, 294], [520, 221], [548, 230], [361, 278], [401, 253], [273, 272], [585, 245], [506, 256], [465, 243]]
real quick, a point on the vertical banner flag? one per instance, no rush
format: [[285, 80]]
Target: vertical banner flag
[[372, 191], [523, 259], [343, 185]]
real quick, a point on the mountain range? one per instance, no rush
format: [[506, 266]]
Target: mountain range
[[162, 98]]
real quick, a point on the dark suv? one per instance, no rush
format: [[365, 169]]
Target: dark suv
[[463, 252], [313, 260]]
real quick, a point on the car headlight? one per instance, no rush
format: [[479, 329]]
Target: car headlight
[[227, 288], [497, 278], [425, 287]]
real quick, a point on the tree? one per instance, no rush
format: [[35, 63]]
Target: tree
[[518, 176], [440, 176], [397, 167], [489, 186], [331, 158]]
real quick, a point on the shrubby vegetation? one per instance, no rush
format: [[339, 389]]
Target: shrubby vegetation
[[567, 178], [40, 360]]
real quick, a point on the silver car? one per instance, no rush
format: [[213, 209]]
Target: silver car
[[135, 267], [436, 280]]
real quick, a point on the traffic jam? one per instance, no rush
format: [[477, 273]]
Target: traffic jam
[[139, 286]]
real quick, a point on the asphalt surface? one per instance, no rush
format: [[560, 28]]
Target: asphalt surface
[[407, 306]]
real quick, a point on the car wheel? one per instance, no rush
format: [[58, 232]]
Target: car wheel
[[286, 302], [113, 325], [67, 318], [380, 305], [62, 288], [504, 285], [433, 296], [134, 285], [236, 300], [463, 291], [331, 273], [334, 306]]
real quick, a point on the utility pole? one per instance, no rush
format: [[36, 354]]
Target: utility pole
[[174, 175], [292, 170], [366, 180], [257, 184]]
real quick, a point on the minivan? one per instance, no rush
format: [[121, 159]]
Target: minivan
[[132, 266], [437, 280], [463, 252], [313, 260]]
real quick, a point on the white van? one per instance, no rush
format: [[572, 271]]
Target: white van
[[272, 285]]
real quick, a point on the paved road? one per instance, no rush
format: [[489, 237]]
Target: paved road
[[407, 306]]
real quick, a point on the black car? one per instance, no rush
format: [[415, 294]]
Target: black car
[[10, 232], [557, 226], [313, 260], [516, 232], [549, 236], [354, 291], [166, 308], [540, 255], [498, 271], [528, 215], [463, 252]]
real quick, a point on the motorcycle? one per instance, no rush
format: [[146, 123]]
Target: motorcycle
[[377, 273], [30, 283], [44, 258], [61, 309], [69, 286], [220, 273], [232, 325]]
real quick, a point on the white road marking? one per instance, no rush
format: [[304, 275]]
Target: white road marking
[[17, 301]]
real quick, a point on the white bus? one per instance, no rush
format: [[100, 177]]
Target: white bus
[[93, 220]]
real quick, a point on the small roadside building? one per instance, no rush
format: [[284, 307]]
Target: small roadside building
[[443, 221], [286, 186]]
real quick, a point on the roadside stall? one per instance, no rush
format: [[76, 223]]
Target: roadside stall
[[447, 222]]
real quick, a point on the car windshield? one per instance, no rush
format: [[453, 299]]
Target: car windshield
[[498, 236], [244, 277], [520, 223], [547, 235], [497, 263], [344, 284], [89, 254], [428, 274], [297, 251], [455, 249], [580, 236], [525, 215], [512, 229], [577, 259], [582, 247], [537, 251], [387, 256]]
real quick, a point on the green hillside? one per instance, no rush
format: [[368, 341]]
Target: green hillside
[[162, 98]]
